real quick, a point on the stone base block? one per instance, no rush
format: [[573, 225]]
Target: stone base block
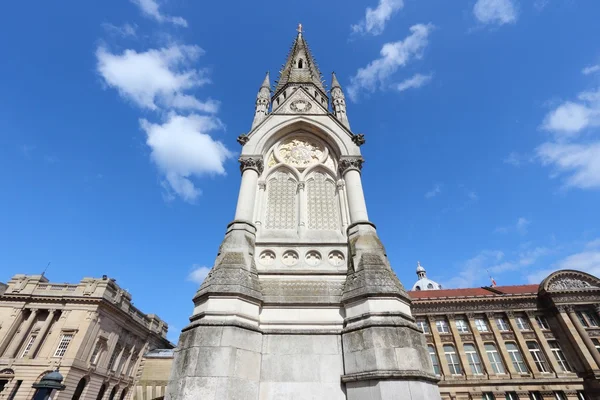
[[392, 390]]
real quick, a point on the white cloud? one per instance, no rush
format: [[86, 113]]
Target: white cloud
[[416, 81], [150, 8], [126, 30], [375, 19], [522, 224], [591, 69], [579, 162], [182, 148], [198, 274], [157, 77], [437, 189], [497, 12], [586, 261], [393, 56], [569, 118], [517, 159]]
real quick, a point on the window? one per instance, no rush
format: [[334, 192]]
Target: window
[[282, 202], [417, 287], [64, 343], [96, 353], [511, 396], [481, 325], [452, 359], [581, 396], [461, 325], [535, 396], [559, 355], [473, 359], [494, 357], [560, 396], [537, 356], [434, 359], [300, 63], [322, 203], [442, 326], [488, 396], [423, 325], [114, 356], [13, 392], [502, 324], [596, 344], [30, 343], [587, 318], [542, 322], [522, 323], [516, 357]]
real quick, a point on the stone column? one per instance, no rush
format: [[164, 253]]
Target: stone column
[[251, 168], [584, 336], [439, 348], [501, 347], [302, 209], [543, 342], [343, 205], [523, 345], [42, 333], [479, 344], [350, 170], [14, 327], [571, 331], [260, 198], [18, 339]]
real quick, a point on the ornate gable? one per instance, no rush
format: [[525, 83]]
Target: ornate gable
[[569, 280], [300, 102]]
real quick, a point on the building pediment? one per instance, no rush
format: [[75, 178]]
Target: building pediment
[[568, 280]]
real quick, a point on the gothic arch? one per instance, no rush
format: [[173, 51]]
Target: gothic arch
[[339, 144], [80, 388], [569, 279], [324, 168], [281, 199], [102, 391], [322, 201], [282, 166]]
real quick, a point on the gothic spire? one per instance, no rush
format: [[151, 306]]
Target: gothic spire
[[300, 66], [338, 101], [262, 102]]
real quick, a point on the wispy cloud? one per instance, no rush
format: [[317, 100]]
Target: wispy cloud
[[521, 227], [376, 19], [198, 274], [151, 9], [392, 56], [437, 189], [125, 30], [496, 12], [586, 261], [592, 69], [518, 159], [416, 81]]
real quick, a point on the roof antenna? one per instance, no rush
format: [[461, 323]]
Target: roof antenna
[[45, 269]]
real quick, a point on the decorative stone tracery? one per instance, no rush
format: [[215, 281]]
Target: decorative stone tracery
[[281, 201], [322, 204]]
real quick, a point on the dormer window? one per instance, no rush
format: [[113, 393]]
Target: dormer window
[[300, 63]]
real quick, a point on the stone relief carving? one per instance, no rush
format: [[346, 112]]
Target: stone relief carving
[[300, 106], [350, 163], [243, 139], [313, 258], [300, 153], [290, 258], [336, 258], [322, 205], [569, 284], [267, 258], [255, 163], [281, 201]]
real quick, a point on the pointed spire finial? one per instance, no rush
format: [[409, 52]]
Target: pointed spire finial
[[334, 81], [299, 30], [266, 83]]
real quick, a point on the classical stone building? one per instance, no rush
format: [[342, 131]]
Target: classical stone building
[[301, 302], [90, 331], [153, 374], [538, 342]]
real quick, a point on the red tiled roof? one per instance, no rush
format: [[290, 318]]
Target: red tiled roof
[[472, 292]]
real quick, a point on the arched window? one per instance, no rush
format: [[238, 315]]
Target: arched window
[[79, 389], [123, 393], [101, 392], [300, 63], [473, 359], [452, 359], [429, 286], [281, 201], [113, 392], [323, 205], [494, 357], [418, 287], [434, 359]]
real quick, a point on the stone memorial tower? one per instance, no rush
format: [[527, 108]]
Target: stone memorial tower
[[301, 302]]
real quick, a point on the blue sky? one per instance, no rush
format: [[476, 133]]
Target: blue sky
[[118, 122]]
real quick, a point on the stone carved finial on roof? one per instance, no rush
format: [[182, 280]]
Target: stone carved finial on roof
[[299, 30]]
